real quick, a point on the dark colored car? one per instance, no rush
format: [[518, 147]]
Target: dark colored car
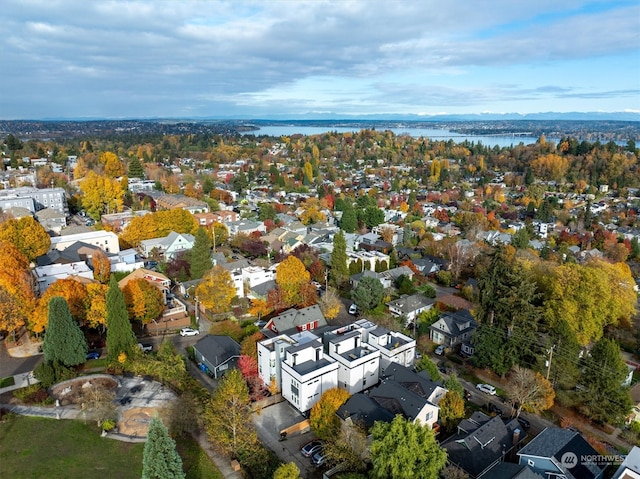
[[319, 458], [493, 408], [310, 448], [524, 423], [93, 355]]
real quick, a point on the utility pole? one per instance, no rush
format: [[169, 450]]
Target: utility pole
[[550, 351]]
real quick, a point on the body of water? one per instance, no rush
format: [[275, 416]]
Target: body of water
[[430, 133]]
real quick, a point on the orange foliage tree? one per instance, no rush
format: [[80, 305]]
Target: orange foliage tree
[[27, 235], [101, 267], [217, 290], [158, 224], [144, 301], [248, 345], [74, 292], [16, 292], [259, 307]]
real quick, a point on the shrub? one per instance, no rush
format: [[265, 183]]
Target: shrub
[[108, 424], [32, 394], [45, 373]]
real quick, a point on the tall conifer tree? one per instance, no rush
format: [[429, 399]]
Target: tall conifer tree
[[120, 337], [160, 459], [63, 340]]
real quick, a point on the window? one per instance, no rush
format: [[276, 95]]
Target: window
[[531, 463]]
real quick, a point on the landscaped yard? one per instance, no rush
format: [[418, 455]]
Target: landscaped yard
[[38, 447]]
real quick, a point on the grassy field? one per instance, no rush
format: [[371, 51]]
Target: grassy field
[[39, 447]]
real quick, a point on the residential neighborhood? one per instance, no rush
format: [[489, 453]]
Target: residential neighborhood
[[359, 295]]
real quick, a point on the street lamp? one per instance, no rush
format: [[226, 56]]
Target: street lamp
[[197, 314]]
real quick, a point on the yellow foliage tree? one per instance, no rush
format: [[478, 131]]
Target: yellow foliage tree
[[113, 167], [312, 212], [330, 304], [144, 301], [97, 297], [323, 420], [27, 235], [550, 167], [16, 292], [102, 194], [259, 307], [158, 224], [291, 276], [217, 290], [77, 298]]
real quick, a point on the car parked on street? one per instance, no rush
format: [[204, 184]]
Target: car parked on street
[[440, 350], [189, 332], [146, 348], [494, 409], [319, 458], [524, 423], [310, 448], [93, 355], [486, 388], [353, 309]]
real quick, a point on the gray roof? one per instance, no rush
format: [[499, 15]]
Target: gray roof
[[455, 324], [555, 442], [477, 451], [507, 470], [420, 384], [397, 399], [263, 289], [217, 349], [407, 304], [364, 411]]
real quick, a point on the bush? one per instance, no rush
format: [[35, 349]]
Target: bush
[[108, 424], [45, 373], [32, 394], [429, 291]]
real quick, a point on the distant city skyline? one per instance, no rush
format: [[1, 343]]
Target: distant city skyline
[[286, 58]]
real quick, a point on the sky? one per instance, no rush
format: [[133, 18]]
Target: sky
[[290, 58]]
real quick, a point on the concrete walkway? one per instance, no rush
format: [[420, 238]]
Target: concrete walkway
[[20, 381]]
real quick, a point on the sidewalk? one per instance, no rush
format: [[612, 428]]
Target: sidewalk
[[20, 381]]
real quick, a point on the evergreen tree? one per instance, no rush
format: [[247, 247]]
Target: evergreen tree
[[339, 271], [603, 374], [120, 337], [507, 315], [63, 340], [160, 459], [136, 170], [349, 220], [200, 254], [368, 294], [405, 450]]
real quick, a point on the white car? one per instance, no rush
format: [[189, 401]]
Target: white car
[[189, 332], [486, 388], [353, 309]]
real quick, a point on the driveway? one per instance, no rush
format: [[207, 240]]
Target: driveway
[[270, 421]]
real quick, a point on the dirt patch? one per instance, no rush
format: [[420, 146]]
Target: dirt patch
[[135, 421], [72, 391]]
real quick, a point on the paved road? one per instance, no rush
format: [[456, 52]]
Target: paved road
[[11, 366]]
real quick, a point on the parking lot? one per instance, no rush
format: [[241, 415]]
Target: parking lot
[[270, 421]]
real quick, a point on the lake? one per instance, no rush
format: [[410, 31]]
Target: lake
[[430, 133]]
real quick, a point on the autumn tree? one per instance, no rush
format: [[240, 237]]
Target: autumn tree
[[368, 293], [330, 304], [249, 347], [160, 459], [227, 423], [339, 272], [288, 470], [291, 277], [101, 267], [27, 235], [451, 410], [63, 340], [259, 307], [113, 167], [102, 194], [120, 336], [97, 299], [158, 224], [217, 290], [144, 301], [200, 254], [530, 391], [405, 450], [75, 294], [17, 299], [323, 420]]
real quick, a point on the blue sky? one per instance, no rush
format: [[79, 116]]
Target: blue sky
[[268, 59]]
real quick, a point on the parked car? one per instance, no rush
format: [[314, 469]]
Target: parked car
[[189, 332], [524, 423], [310, 448], [93, 355], [353, 309], [319, 458], [467, 395], [261, 323], [486, 388], [440, 350], [146, 348]]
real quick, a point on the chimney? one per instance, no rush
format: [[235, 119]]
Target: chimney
[[516, 437], [356, 341]]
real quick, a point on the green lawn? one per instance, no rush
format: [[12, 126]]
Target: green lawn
[[39, 447]]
